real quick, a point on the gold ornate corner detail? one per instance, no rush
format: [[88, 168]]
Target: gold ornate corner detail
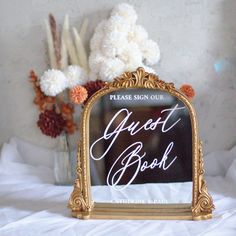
[[77, 200], [204, 205], [140, 79]]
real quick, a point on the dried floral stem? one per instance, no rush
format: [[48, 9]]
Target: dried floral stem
[[69, 42], [64, 55], [41, 100], [83, 59], [56, 40], [57, 104], [52, 57], [83, 29]]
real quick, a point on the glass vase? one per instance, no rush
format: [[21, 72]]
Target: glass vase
[[64, 161]]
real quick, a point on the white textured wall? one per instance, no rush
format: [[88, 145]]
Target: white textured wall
[[198, 45]]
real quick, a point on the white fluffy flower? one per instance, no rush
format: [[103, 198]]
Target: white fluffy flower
[[150, 52], [93, 76], [137, 34], [101, 27], [96, 41], [131, 57], [117, 23], [125, 11], [53, 82], [119, 45], [113, 43], [111, 68], [149, 69], [75, 76], [95, 61]]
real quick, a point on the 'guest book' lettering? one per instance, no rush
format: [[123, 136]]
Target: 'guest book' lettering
[[134, 156]]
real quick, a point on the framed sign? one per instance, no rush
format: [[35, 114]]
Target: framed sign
[[139, 155]]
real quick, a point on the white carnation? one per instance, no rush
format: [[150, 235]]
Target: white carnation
[[100, 28], [125, 11], [53, 82], [75, 76], [93, 76], [113, 43], [117, 23], [119, 45], [111, 68], [150, 52], [149, 69], [131, 57], [95, 61], [137, 34], [96, 41]]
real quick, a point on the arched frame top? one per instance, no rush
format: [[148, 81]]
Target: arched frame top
[[81, 202]]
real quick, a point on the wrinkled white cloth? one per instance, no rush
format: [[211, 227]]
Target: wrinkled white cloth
[[30, 204]]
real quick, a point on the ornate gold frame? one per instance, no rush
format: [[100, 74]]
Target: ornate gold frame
[[80, 201]]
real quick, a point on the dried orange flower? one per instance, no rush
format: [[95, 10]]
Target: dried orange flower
[[49, 123], [187, 90], [70, 126], [41, 100], [67, 109], [78, 94]]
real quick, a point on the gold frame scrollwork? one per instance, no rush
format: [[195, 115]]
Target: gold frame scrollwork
[[81, 202]]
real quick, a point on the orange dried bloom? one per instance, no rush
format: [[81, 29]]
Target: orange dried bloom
[[50, 99], [70, 127], [67, 109], [33, 77], [78, 94], [41, 100], [56, 115], [187, 90]]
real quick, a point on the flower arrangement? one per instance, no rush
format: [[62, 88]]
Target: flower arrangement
[[65, 83], [118, 45]]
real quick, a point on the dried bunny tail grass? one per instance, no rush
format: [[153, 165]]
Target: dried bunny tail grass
[[69, 42], [78, 94], [51, 54], [82, 56], [56, 40]]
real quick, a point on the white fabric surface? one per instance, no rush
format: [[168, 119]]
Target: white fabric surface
[[31, 205]]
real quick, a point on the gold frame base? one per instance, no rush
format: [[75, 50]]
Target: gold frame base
[[181, 211]]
